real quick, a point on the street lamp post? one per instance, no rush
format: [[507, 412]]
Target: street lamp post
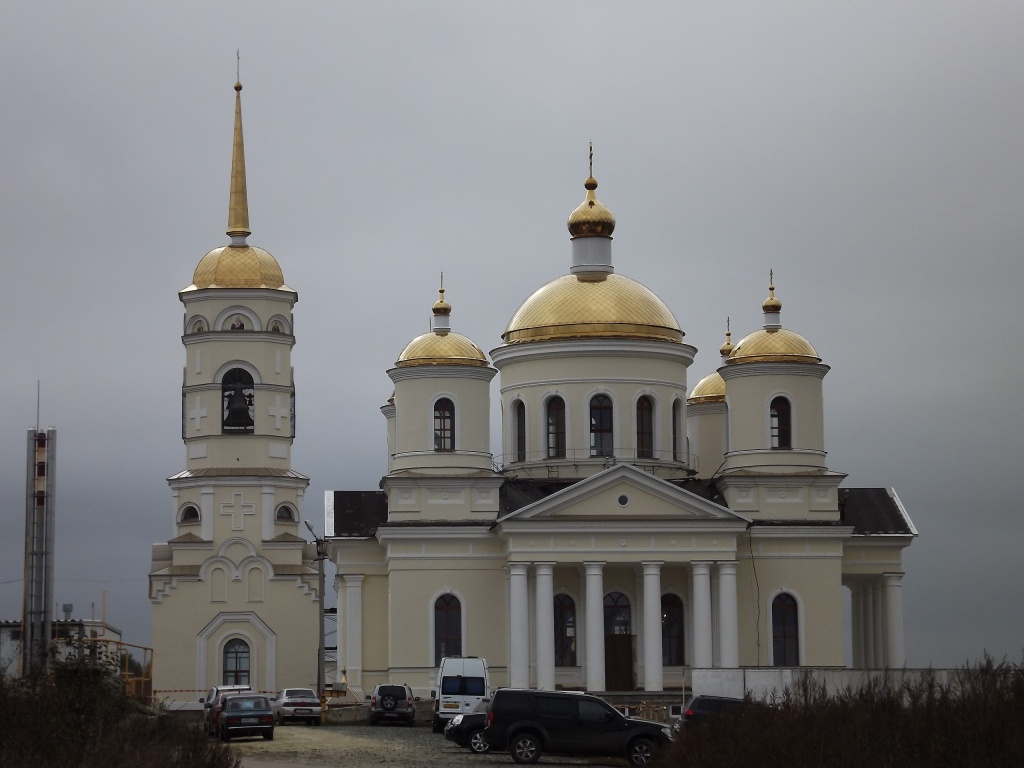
[[321, 555]]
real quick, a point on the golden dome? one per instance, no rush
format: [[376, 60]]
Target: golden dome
[[591, 218], [710, 389], [574, 306], [773, 345], [233, 266], [441, 349], [441, 307]]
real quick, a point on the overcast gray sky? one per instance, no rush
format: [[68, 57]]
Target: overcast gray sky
[[870, 153]]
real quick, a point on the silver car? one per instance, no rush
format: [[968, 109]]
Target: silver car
[[296, 704]]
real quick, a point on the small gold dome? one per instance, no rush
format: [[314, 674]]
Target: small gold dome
[[572, 307], [233, 266], [710, 389], [441, 349], [441, 307], [773, 345], [591, 218]]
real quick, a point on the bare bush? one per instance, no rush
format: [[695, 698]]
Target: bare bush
[[977, 719]]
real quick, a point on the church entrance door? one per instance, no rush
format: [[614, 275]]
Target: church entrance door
[[619, 654]]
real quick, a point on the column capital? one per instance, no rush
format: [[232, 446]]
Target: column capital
[[518, 569], [545, 567], [594, 567], [727, 567], [701, 567], [652, 566], [351, 579]]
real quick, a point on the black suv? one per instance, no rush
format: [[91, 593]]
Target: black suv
[[701, 708], [529, 723]]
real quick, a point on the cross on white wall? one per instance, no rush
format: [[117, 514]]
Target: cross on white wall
[[277, 412], [197, 413], [238, 509]]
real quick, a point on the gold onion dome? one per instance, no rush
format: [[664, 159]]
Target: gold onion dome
[[441, 346], [436, 349], [591, 218], [710, 389], [570, 307], [773, 343]]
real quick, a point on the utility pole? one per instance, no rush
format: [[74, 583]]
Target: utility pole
[[321, 555]]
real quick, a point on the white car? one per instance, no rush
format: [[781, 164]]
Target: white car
[[296, 704]]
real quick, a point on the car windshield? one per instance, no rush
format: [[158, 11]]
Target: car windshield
[[299, 693]]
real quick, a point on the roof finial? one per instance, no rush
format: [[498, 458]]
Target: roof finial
[[771, 305], [441, 307], [591, 158], [238, 65], [238, 205], [726, 348]]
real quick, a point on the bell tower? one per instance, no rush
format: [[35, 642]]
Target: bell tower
[[236, 578]]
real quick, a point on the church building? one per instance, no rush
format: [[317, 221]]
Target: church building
[[234, 590], [632, 530]]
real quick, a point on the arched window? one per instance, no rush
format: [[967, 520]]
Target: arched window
[[601, 434], [285, 514], [781, 419], [565, 631], [236, 663], [785, 637], [556, 428], [444, 425], [447, 627], [237, 394], [644, 428], [677, 415], [617, 615], [520, 413], [190, 514], [672, 648]]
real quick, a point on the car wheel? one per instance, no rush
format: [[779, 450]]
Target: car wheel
[[641, 752], [525, 748], [224, 735], [269, 735], [477, 743], [388, 701]]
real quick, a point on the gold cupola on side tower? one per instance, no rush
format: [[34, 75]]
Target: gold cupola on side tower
[[773, 343], [238, 265], [441, 346]]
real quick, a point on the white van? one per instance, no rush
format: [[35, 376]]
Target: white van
[[463, 686]]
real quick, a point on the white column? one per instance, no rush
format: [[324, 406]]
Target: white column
[[867, 628], [878, 623], [857, 626], [728, 617], [654, 677], [519, 627], [545, 627], [354, 630], [895, 648], [595, 626], [702, 651]]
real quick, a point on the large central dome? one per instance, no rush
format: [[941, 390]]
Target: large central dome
[[592, 306]]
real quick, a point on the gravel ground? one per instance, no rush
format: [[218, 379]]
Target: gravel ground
[[353, 746]]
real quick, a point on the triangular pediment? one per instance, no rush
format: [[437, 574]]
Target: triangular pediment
[[623, 493]]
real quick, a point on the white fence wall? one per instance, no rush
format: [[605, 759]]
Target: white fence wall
[[762, 682]]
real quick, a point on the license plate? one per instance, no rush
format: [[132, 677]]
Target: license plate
[[248, 720], [302, 711], [450, 705]]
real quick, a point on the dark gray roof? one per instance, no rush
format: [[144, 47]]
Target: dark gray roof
[[873, 511]]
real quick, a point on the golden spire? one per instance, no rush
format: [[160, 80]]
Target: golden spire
[[771, 305], [238, 206], [591, 218]]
